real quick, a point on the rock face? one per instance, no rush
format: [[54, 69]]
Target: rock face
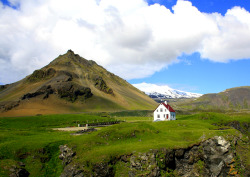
[[70, 169], [210, 158], [5, 106], [244, 128], [66, 154], [67, 90], [41, 74], [213, 157], [19, 171], [101, 85]]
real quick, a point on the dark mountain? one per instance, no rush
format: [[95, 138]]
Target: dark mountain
[[71, 83]]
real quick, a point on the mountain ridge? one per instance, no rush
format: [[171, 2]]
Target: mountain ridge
[[236, 98], [164, 92]]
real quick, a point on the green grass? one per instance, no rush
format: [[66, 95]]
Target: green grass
[[133, 113], [31, 139]]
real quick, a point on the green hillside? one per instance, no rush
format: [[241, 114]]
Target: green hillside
[[234, 99], [30, 143]]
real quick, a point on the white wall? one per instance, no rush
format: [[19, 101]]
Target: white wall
[[162, 112]]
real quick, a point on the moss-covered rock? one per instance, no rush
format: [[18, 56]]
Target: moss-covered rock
[[41, 74], [72, 91], [101, 85], [67, 90]]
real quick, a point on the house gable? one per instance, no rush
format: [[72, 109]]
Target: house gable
[[164, 112], [168, 107]]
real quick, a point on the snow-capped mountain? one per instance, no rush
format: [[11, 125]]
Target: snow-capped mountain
[[161, 92]]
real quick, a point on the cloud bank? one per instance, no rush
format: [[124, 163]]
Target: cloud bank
[[130, 38]]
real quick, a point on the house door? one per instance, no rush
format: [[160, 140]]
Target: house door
[[167, 116]]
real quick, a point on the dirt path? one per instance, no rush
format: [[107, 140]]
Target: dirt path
[[70, 128]]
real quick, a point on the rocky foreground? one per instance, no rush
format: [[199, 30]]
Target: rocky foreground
[[212, 157]]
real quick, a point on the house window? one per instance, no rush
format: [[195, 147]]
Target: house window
[[161, 110], [157, 110], [165, 110], [158, 115], [164, 115]]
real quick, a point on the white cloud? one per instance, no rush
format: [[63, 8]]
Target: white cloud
[[130, 38], [232, 39]]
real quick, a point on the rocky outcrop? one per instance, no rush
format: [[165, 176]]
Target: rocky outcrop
[[210, 158], [66, 154], [76, 58], [70, 169], [2, 87], [101, 85], [213, 157], [63, 90], [19, 170], [6, 106], [243, 127], [73, 170], [72, 91], [38, 75]]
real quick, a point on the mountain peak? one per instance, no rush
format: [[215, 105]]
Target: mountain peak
[[164, 91], [70, 59], [70, 51], [71, 83]]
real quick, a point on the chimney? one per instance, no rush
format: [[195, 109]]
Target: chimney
[[166, 102]]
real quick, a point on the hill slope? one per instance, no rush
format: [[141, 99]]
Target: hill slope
[[71, 83], [231, 99]]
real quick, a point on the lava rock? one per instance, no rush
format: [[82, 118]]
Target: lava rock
[[72, 170], [18, 172], [101, 85], [66, 154]]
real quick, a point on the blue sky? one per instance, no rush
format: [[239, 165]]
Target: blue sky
[[220, 6], [193, 45], [201, 75], [198, 75]]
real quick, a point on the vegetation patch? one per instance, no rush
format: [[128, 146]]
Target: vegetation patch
[[31, 140]]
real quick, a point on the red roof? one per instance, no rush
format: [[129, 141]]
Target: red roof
[[168, 107]]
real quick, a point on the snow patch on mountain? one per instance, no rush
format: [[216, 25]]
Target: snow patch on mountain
[[164, 91]]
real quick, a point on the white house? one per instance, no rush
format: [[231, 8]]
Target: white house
[[164, 112]]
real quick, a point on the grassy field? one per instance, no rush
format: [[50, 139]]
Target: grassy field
[[31, 139]]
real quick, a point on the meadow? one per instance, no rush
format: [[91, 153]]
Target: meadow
[[32, 141]]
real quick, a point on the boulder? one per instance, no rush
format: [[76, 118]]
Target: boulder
[[16, 171], [66, 154], [72, 170]]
